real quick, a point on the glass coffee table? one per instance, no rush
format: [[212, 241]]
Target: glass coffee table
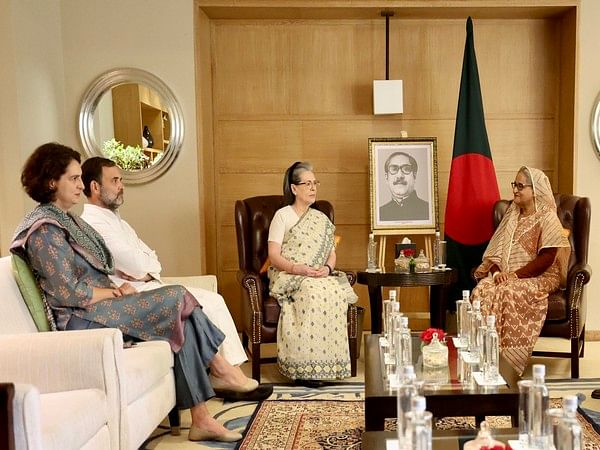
[[446, 395], [442, 439]]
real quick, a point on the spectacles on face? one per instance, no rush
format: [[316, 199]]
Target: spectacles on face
[[519, 186], [406, 169], [309, 184]]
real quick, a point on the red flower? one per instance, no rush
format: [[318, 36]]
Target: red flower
[[427, 335], [409, 252]]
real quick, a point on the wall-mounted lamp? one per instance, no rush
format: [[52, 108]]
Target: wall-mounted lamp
[[387, 94]]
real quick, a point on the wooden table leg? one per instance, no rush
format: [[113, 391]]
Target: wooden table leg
[[437, 306], [376, 306]]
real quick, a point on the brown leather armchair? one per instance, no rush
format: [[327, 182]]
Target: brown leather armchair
[[567, 307], [261, 311]]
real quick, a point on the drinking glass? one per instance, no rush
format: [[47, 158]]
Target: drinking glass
[[465, 370], [554, 418], [385, 312], [463, 307], [524, 389], [441, 254]]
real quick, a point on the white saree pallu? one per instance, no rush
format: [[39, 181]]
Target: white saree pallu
[[312, 335]]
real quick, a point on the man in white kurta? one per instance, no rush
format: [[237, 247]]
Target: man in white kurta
[[137, 263]]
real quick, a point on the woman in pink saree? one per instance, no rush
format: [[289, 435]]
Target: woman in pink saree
[[524, 262]]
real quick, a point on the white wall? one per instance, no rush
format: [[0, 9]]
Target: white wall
[[157, 36], [32, 100], [587, 169]]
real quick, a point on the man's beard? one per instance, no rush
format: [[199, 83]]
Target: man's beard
[[111, 203]]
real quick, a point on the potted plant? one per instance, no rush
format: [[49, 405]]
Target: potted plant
[[127, 158]]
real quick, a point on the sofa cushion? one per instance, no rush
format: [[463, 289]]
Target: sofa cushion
[[145, 364], [71, 418], [28, 285]]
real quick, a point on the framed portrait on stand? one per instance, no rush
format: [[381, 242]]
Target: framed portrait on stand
[[403, 185]]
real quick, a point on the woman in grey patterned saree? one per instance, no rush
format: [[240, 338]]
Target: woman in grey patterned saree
[[312, 335], [72, 265]]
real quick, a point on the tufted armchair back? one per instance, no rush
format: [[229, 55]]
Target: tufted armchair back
[[567, 307], [252, 221]]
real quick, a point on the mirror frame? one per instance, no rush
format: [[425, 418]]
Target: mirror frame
[[116, 77], [595, 126]]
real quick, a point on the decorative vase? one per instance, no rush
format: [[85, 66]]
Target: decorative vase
[[422, 263], [435, 354], [402, 263], [148, 136]]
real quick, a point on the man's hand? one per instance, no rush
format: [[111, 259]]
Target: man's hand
[[145, 278], [126, 289]]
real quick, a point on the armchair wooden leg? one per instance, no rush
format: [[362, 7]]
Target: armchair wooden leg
[[175, 421], [256, 362], [353, 355], [575, 357]]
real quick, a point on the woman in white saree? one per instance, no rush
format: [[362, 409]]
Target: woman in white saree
[[312, 335]]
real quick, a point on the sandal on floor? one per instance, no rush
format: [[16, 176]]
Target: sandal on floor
[[218, 384], [262, 392]]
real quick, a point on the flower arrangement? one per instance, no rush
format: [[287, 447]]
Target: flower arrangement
[[410, 254], [427, 335], [127, 158]]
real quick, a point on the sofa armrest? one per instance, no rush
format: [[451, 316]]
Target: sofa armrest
[[63, 360], [69, 360], [26, 417], [208, 282]]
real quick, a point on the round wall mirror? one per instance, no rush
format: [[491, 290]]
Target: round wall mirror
[[595, 126], [133, 118]]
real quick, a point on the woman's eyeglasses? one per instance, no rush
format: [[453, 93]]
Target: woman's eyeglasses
[[309, 184], [519, 186], [406, 169]]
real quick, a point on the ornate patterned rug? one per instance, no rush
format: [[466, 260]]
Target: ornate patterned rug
[[312, 424], [329, 418]]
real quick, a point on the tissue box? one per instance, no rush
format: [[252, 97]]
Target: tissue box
[[400, 246]]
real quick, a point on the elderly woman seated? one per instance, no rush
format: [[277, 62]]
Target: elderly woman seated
[[312, 336], [72, 264], [524, 262]]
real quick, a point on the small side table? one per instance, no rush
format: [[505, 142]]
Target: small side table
[[439, 281]]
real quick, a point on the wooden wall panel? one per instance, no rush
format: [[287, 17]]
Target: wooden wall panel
[[287, 90]]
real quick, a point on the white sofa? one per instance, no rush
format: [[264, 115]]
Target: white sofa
[[85, 390]]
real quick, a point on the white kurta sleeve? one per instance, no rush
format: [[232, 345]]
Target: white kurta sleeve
[[132, 256]]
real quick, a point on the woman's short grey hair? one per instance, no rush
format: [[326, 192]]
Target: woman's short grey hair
[[292, 176]]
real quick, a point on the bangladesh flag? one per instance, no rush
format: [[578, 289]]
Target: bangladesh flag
[[472, 189]]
